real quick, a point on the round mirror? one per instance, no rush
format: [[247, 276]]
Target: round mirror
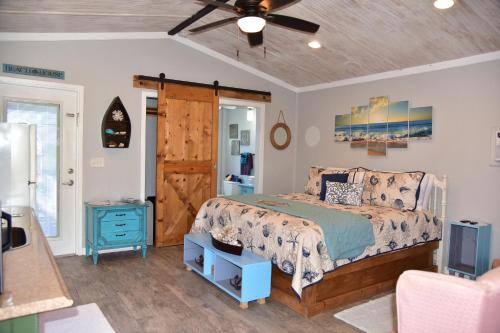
[[280, 136]]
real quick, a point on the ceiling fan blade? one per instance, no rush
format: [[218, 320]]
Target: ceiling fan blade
[[195, 17], [219, 5], [276, 4], [256, 38], [215, 24], [292, 23]]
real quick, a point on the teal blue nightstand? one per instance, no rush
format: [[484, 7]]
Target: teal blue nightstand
[[113, 226]]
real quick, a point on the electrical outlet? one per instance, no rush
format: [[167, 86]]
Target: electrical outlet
[[97, 162]]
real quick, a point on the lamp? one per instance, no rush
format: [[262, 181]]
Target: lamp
[[251, 24], [443, 4]]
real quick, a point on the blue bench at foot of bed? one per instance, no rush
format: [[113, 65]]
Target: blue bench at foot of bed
[[219, 268]]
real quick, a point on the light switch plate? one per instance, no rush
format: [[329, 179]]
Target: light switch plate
[[97, 162]]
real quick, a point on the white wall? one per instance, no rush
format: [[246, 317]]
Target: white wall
[[106, 68], [466, 103]]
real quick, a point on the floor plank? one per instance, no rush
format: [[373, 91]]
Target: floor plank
[[157, 294]]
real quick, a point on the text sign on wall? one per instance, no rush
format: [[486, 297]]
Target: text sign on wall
[[33, 71]]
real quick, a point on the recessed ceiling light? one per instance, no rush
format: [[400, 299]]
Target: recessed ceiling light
[[443, 4], [314, 44]]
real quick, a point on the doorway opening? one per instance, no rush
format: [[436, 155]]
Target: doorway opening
[[239, 149], [253, 112]]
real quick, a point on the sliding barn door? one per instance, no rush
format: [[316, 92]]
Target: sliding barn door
[[186, 174]]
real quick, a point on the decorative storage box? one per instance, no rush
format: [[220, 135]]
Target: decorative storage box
[[115, 225], [219, 268], [469, 249]]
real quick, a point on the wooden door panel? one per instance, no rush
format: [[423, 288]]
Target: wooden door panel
[[186, 158]]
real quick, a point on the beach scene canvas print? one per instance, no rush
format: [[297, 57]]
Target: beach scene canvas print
[[342, 127], [421, 123], [397, 125], [377, 126], [359, 126]]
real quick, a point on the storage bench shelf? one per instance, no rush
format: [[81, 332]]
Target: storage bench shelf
[[220, 267]]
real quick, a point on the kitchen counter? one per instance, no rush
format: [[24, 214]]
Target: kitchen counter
[[32, 281]]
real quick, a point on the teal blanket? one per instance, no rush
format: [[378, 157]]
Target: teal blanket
[[346, 234]]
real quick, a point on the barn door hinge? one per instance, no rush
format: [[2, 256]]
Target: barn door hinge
[[162, 78], [216, 87]]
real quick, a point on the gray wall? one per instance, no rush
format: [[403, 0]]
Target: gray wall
[[106, 68], [466, 103], [150, 156]]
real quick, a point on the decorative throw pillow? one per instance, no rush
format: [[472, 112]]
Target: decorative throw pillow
[[313, 185], [343, 193], [356, 176], [332, 177], [389, 189]]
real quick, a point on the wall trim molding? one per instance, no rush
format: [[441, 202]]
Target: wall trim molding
[[475, 59]]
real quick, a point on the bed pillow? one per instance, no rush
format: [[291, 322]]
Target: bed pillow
[[389, 189], [331, 177], [425, 192], [313, 185], [343, 193]]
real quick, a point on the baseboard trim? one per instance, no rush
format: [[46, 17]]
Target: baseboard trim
[[121, 249]]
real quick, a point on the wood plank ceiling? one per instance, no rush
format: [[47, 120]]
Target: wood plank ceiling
[[359, 37]]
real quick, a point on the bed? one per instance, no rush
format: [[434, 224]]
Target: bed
[[304, 276]]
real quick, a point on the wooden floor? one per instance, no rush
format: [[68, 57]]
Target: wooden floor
[[156, 294]]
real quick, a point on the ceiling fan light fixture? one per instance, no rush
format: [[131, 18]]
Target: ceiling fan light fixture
[[314, 44], [443, 4], [251, 24]]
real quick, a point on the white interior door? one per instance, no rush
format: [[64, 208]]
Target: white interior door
[[54, 112]]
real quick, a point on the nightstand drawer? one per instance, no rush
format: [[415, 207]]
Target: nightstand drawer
[[118, 215], [122, 236], [118, 226]]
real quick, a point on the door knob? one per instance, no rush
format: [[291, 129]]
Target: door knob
[[69, 183]]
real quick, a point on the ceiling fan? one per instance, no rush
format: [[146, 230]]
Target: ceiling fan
[[252, 16]]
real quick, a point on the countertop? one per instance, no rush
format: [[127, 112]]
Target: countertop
[[32, 281]]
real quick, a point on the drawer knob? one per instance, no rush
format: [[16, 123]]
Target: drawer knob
[[120, 225], [120, 235], [119, 214]]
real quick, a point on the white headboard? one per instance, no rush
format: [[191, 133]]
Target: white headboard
[[437, 205]]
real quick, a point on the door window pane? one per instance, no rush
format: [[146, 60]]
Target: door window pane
[[46, 119]]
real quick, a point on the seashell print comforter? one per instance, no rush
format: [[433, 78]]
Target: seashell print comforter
[[297, 246]]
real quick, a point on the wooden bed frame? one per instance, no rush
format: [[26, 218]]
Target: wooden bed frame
[[367, 277]]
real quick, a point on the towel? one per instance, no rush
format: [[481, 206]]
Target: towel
[[246, 162]]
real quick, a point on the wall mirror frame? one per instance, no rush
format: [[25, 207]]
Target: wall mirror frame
[[280, 133]]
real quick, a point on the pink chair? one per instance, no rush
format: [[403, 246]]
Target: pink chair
[[430, 302]]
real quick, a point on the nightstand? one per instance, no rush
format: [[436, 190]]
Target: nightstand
[[469, 249], [115, 225]]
